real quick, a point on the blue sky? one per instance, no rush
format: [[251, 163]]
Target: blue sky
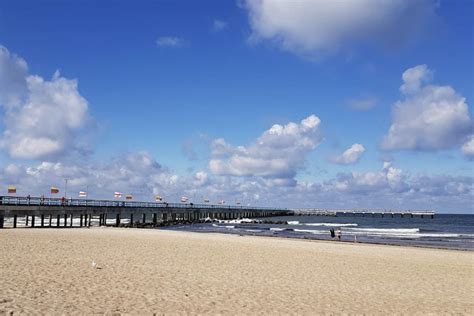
[[232, 70]]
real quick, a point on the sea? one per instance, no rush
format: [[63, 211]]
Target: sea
[[453, 231]]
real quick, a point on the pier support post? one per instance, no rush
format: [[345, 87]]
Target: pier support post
[[50, 219], [72, 220], [58, 220], [117, 220], [2, 219], [85, 219], [90, 220], [154, 219], [33, 221], [81, 218], [26, 221], [143, 218], [131, 219], [15, 220], [42, 220], [65, 220]]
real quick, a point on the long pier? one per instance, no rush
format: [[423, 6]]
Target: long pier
[[57, 212], [365, 212]]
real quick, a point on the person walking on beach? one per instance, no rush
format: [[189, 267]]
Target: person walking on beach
[[338, 234], [333, 234]]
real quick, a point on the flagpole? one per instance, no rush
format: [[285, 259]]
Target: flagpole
[[65, 188]]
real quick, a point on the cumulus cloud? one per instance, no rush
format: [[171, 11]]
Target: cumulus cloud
[[278, 153], [170, 41], [429, 117], [136, 173], [350, 155], [414, 77], [141, 175], [13, 73], [468, 147], [219, 25], [43, 118], [363, 182], [316, 28]]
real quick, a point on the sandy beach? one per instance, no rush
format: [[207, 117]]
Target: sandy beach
[[154, 271]]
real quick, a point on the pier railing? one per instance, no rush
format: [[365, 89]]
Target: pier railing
[[47, 201]]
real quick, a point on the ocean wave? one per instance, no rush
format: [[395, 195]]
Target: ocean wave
[[311, 231], [236, 221], [223, 226], [293, 222], [277, 229], [332, 224], [385, 230]]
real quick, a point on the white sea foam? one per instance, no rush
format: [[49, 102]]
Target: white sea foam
[[277, 229], [237, 221], [311, 231], [385, 230], [223, 226], [332, 224], [293, 222]]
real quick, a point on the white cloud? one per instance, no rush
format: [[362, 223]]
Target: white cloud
[[389, 178], [42, 117], [414, 77], [141, 175], [13, 73], [468, 147], [278, 153], [170, 41], [429, 117], [316, 28], [219, 25], [350, 155]]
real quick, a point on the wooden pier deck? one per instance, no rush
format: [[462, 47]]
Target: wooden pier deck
[[54, 212]]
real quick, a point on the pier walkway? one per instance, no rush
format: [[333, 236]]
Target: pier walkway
[[56, 212]]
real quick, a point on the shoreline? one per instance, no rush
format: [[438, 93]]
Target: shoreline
[[167, 228], [322, 240]]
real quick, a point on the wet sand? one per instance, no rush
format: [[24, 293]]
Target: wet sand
[[153, 271]]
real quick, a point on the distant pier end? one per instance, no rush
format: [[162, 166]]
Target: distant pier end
[[365, 212]]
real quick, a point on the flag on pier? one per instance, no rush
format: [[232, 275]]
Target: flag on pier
[[117, 194], [129, 197], [82, 194], [54, 190], [184, 199], [11, 189]]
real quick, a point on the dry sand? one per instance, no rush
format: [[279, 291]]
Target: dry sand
[[152, 271]]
